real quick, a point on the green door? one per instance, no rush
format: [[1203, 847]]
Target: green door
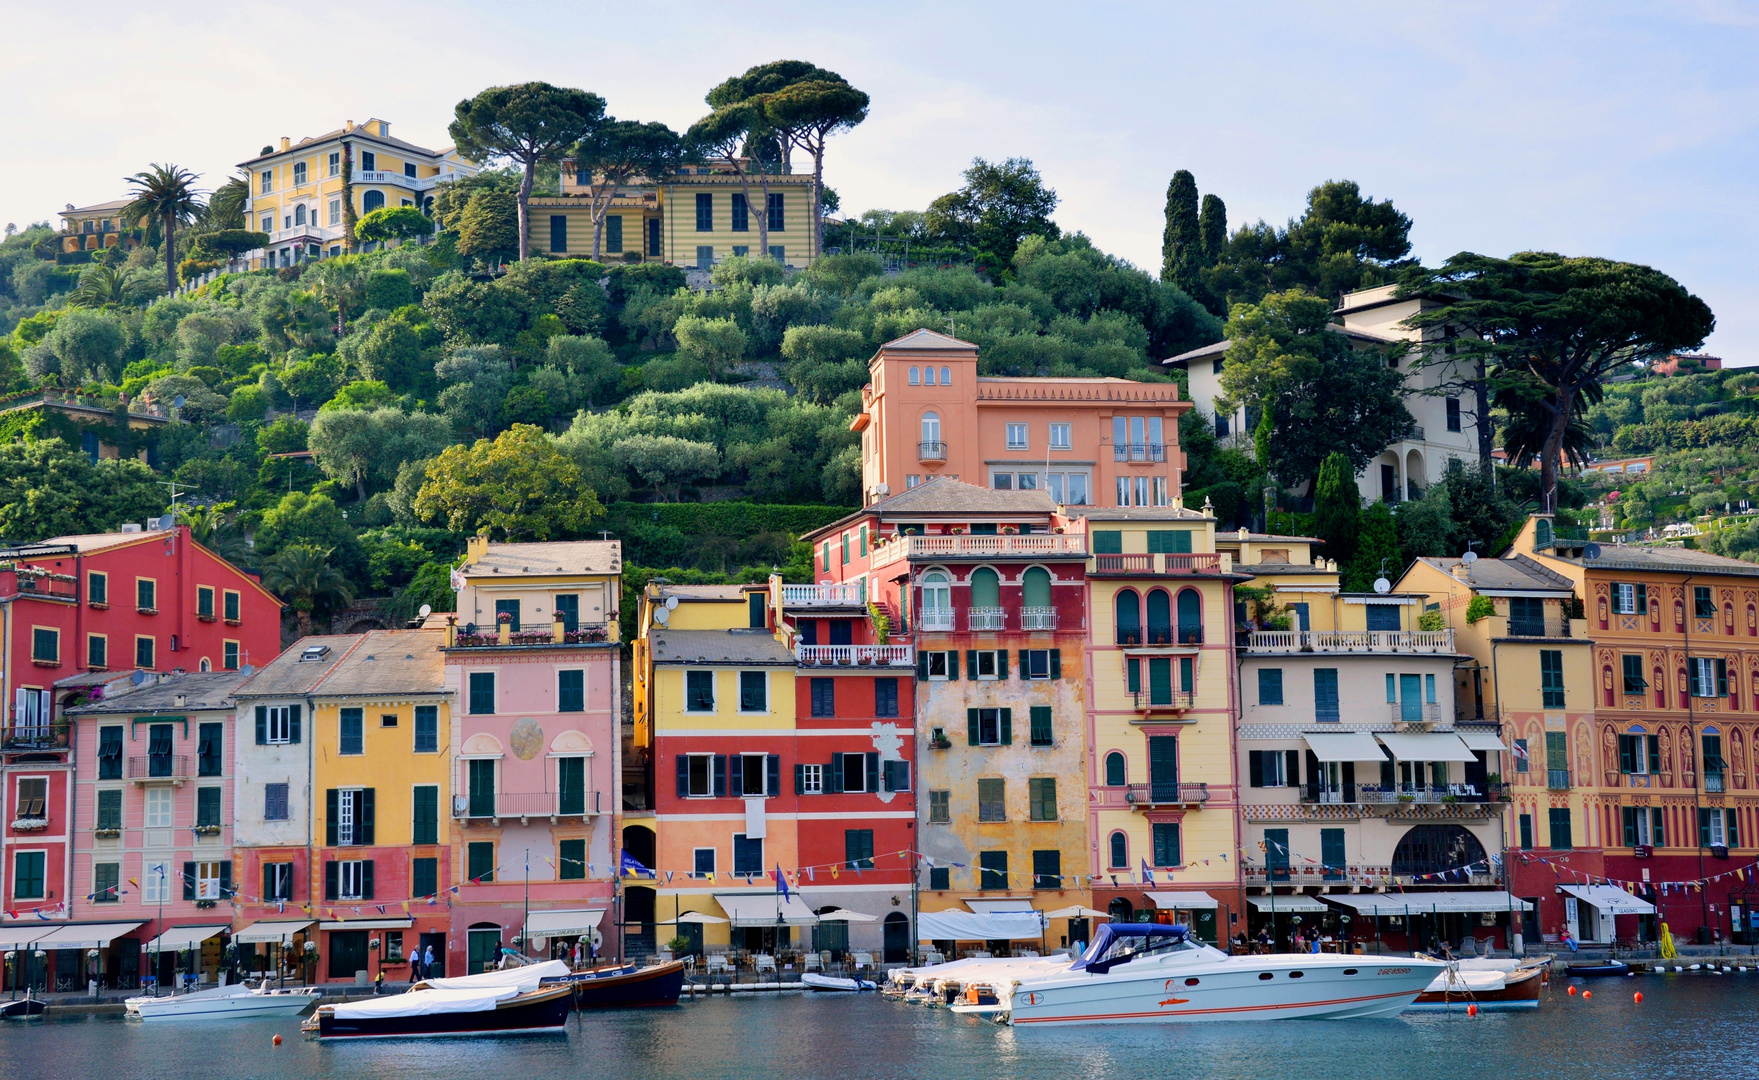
[[1160, 680], [1410, 697], [485, 950], [482, 788]]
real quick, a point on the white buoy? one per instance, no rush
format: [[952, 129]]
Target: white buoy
[[1677, 967], [1694, 967], [1726, 968]]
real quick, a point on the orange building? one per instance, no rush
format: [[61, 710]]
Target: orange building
[[927, 413]]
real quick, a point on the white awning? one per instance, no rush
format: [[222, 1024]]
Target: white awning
[[990, 907], [271, 932], [16, 934], [1344, 746], [845, 915], [1190, 901], [698, 918], [1482, 740], [765, 908], [1429, 746], [86, 936], [548, 924], [1287, 905], [179, 938], [1077, 912], [1455, 901], [367, 924], [958, 925], [1610, 899]]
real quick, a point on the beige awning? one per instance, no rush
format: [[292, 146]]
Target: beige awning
[[1482, 740], [367, 924], [1189, 901], [278, 931], [698, 918], [17, 934], [845, 915], [1287, 905], [1344, 746], [85, 935], [765, 908], [1076, 912], [574, 923], [179, 938], [1427, 746]]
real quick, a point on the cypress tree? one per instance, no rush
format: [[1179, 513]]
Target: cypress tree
[[1377, 546], [1212, 227], [1181, 243], [1337, 508]]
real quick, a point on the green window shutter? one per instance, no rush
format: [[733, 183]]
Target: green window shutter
[[1108, 542], [1001, 663], [1007, 727], [921, 667], [332, 810], [614, 234], [953, 666], [1056, 663], [971, 662], [1041, 726], [971, 727], [559, 233]]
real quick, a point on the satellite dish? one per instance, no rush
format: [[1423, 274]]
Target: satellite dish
[[1382, 586], [1592, 551], [177, 401], [671, 603], [662, 616], [426, 610], [1469, 558]]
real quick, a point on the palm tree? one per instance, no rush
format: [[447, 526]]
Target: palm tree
[[301, 574], [166, 193], [227, 205], [210, 527]]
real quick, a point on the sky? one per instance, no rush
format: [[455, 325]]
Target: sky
[[1612, 129]]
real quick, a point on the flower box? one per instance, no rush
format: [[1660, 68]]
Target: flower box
[[207, 830], [106, 834], [32, 824]]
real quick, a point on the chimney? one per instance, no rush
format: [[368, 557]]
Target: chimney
[[180, 700], [286, 143], [476, 548], [1462, 572], [348, 127]]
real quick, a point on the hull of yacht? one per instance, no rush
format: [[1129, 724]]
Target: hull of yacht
[[1155, 991], [227, 1002]]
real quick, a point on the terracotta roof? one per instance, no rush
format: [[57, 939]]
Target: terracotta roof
[[1512, 572], [561, 557], [1139, 513], [98, 541], [198, 691], [389, 662], [718, 647], [361, 131], [300, 667], [705, 592], [918, 340], [944, 495]]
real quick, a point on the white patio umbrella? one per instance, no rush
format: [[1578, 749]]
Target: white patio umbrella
[[845, 915], [696, 917], [1076, 912]]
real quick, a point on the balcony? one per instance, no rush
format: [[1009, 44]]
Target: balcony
[[986, 546], [1156, 637], [931, 451], [845, 594], [1147, 701], [48, 586], [159, 769], [1038, 618], [497, 805], [1157, 565], [1557, 779], [1139, 452], [987, 618], [855, 655], [940, 621], [36, 735], [1150, 796], [1345, 641], [1414, 713], [469, 636], [1713, 781], [1402, 793]]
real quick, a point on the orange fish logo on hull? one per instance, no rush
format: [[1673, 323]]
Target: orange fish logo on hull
[[1175, 1001]]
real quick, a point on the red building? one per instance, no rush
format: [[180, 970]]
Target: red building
[[75, 606]]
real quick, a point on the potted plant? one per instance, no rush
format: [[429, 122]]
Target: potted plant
[[1406, 797], [679, 944], [1010, 530]]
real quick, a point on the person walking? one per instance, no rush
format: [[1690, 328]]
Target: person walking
[[427, 962]]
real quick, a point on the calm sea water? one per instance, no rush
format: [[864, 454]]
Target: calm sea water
[[1692, 1025]]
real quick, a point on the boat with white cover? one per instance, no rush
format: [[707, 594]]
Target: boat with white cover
[[517, 1001], [1136, 973], [812, 980], [222, 1002], [1486, 982]]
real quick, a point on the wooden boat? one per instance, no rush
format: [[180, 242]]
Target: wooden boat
[[627, 985], [524, 1000], [23, 1008], [812, 980], [1488, 986], [1600, 969]]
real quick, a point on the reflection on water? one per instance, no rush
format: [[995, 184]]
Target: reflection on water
[[1688, 1026]]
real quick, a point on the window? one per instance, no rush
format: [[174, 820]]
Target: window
[[753, 691], [824, 696], [1703, 604], [989, 727], [749, 777], [1629, 598], [1047, 869], [851, 771], [106, 882], [740, 215], [1560, 828], [1639, 755], [1383, 616], [352, 738], [931, 433], [109, 809], [1643, 826], [424, 877], [335, 163], [207, 807], [1522, 763], [1041, 797], [1270, 686], [427, 729], [266, 182], [703, 863], [571, 691], [1634, 682], [275, 802], [809, 779], [1708, 677], [32, 798], [45, 645], [915, 376], [1041, 663], [1060, 437], [1331, 853], [858, 849], [277, 724], [482, 693], [229, 655], [1718, 827], [157, 813], [480, 861], [1273, 768], [558, 232], [885, 697], [653, 237], [992, 870], [1041, 726], [937, 666], [988, 664], [1453, 413], [98, 589], [348, 815], [705, 212], [27, 875], [425, 814], [940, 808], [1325, 695], [774, 206], [1016, 436], [991, 800], [747, 855], [208, 749], [1166, 844], [110, 752], [697, 775], [335, 211], [1526, 830], [369, 161], [699, 691], [510, 609], [571, 860], [1714, 765], [143, 652], [372, 200], [614, 234]]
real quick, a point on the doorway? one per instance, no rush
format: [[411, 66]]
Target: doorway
[[638, 920], [347, 953], [436, 942], [483, 948], [897, 939]]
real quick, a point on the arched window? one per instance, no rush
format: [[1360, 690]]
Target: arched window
[[931, 431], [1121, 910], [946, 376], [986, 590], [1129, 617], [372, 200], [1431, 849], [1037, 612], [915, 376], [299, 214], [928, 376], [1114, 769], [1120, 854], [937, 601], [205, 665], [1190, 617], [1160, 618]]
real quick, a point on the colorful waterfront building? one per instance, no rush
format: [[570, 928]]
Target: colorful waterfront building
[[1652, 787], [153, 817], [382, 747], [1363, 780], [1163, 800], [533, 659]]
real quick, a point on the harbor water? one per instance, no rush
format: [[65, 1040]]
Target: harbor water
[[1688, 1026]]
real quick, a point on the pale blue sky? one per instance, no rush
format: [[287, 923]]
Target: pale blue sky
[[1610, 129]]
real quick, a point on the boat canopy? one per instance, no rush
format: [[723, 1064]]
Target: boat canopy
[[278, 931], [1115, 940], [524, 977], [179, 938], [1610, 899], [426, 1003], [974, 926]]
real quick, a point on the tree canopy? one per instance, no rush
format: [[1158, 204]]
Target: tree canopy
[[531, 124], [1000, 205]]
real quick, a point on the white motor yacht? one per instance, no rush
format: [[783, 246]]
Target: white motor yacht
[[1137, 973], [228, 1002]]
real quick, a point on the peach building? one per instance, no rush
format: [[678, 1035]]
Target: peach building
[[926, 413]]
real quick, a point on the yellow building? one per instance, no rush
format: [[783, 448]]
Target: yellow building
[[296, 189], [693, 218], [88, 228], [1163, 798], [382, 743]]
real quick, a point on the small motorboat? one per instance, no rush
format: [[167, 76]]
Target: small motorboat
[[531, 999], [236, 1000], [627, 985], [1599, 970], [812, 980], [24, 1008], [1486, 983]]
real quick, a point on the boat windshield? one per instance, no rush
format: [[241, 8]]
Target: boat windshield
[[1117, 943]]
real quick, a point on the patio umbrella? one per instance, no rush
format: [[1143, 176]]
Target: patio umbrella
[[844, 915], [1076, 912], [696, 917]]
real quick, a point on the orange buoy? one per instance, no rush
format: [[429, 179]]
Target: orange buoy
[[1586, 994], [1572, 991], [1471, 1010], [1637, 997], [278, 1038]]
